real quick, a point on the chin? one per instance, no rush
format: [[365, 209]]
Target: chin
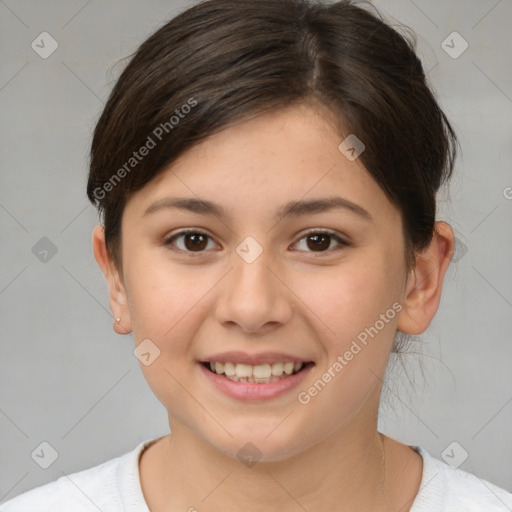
[[259, 445]]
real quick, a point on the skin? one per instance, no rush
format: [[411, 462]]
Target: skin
[[294, 298]]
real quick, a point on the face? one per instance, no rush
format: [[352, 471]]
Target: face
[[257, 281]]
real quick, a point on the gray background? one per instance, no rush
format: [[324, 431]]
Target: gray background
[[67, 379]]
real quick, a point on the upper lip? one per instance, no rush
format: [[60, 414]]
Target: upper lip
[[253, 359]]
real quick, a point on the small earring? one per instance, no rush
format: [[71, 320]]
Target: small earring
[[118, 319]]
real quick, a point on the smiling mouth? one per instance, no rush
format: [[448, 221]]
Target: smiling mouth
[[260, 373]]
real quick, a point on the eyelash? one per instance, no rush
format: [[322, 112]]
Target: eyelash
[[342, 243]]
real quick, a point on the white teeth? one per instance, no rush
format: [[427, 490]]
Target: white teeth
[[288, 368], [258, 373], [261, 371], [229, 369], [277, 369], [243, 370]]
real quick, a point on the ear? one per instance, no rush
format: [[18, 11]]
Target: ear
[[117, 292], [425, 282]]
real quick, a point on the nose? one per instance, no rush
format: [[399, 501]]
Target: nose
[[253, 297]]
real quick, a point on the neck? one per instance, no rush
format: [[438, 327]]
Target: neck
[[346, 471]]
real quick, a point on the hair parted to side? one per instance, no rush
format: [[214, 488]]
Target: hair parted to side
[[224, 61]]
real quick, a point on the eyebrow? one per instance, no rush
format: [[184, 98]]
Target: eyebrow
[[291, 209]]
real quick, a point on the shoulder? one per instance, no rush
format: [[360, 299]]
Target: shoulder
[[102, 487], [444, 488], [82, 491], [78, 491]]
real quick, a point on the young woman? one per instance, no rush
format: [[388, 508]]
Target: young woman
[[267, 173]]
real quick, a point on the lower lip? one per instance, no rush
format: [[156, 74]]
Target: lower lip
[[251, 391]]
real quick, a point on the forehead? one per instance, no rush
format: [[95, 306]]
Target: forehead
[[259, 165]]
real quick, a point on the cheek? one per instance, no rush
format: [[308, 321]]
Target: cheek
[[356, 309], [165, 298], [168, 308], [352, 297]]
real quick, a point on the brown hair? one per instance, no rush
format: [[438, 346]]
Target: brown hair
[[223, 61]]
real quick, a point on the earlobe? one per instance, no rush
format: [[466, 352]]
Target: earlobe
[[117, 292], [423, 293]]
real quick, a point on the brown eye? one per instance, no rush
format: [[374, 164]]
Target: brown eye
[[190, 241], [195, 241], [320, 241]]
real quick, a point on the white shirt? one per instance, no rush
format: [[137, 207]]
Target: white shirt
[[114, 486]]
